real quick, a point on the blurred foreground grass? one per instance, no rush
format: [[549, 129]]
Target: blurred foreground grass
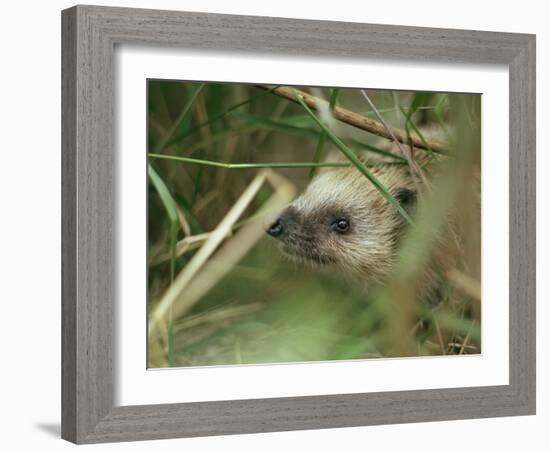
[[230, 297]]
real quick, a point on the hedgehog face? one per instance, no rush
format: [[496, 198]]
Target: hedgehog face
[[342, 221]]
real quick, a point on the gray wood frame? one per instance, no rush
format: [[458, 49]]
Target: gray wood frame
[[89, 36]]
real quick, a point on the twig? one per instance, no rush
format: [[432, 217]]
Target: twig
[[359, 121]]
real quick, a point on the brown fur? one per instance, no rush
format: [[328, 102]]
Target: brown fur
[[368, 250]]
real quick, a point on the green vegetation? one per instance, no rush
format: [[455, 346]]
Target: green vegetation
[[221, 156]]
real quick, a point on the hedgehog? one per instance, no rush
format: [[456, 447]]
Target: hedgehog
[[342, 222]]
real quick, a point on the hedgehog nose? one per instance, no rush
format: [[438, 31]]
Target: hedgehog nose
[[276, 228]]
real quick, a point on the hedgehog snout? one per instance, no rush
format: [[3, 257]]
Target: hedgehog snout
[[279, 225], [276, 228], [273, 224], [286, 225]]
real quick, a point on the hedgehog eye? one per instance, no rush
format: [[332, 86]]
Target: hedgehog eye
[[406, 197], [340, 225]]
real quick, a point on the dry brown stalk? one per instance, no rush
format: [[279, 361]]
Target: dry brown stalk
[[361, 122], [465, 283], [211, 263]]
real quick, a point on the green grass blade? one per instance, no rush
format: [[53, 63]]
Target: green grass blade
[[317, 154], [277, 125], [420, 99], [323, 135], [184, 205], [170, 207], [411, 124], [356, 162], [219, 116], [280, 125], [181, 118], [332, 99], [205, 162], [171, 351]]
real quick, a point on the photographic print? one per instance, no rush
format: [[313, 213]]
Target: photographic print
[[293, 224]]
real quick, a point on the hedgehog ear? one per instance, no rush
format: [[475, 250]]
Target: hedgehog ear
[[407, 199]]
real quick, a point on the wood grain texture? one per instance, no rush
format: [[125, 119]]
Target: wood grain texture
[[68, 226], [89, 36]]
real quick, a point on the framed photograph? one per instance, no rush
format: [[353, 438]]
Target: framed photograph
[[278, 224]]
